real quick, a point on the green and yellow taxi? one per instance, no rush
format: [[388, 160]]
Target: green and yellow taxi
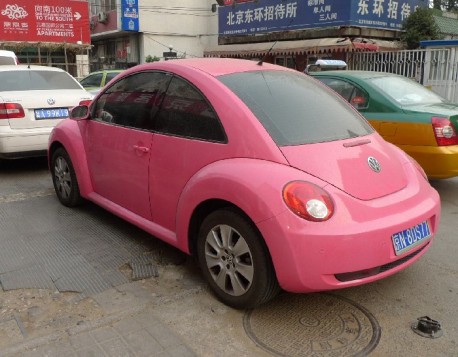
[[404, 113], [94, 81]]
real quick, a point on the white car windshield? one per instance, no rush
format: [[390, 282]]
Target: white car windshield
[[406, 91]]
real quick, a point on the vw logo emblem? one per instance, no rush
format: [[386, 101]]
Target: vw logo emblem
[[374, 164], [51, 101]]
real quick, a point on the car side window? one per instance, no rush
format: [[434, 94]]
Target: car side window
[[133, 101], [185, 112], [110, 76], [351, 93], [94, 80], [359, 99]]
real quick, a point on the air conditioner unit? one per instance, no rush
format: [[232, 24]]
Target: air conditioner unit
[[102, 17]]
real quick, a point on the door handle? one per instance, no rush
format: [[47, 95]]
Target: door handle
[[142, 149]]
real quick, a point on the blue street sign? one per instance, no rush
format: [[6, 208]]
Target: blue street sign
[[129, 15]]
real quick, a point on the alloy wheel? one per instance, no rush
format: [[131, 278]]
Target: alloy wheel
[[229, 260], [63, 178]]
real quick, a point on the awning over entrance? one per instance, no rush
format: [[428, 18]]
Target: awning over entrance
[[21, 45], [313, 46]]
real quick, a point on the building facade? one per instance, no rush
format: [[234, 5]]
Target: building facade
[[447, 23], [86, 35], [295, 33], [129, 32]]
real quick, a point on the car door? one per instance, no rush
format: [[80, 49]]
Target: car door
[[118, 141], [188, 136]]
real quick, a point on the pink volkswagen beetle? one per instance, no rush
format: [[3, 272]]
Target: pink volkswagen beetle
[[261, 172]]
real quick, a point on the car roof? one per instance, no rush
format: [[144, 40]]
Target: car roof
[[349, 74], [213, 66], [25, 67], [7, 53]]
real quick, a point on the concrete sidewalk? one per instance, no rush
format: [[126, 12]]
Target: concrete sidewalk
[[174, 315], [128, 328], [138, 333]]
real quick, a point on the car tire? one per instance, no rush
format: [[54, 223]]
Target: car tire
[[235, 260], [64, 179]]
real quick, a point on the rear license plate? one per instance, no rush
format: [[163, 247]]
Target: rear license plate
[[54, 113], [410, 237]]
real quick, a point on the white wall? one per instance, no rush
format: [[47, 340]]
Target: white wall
[[189, 26]]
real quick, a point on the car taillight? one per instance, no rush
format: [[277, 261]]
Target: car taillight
[[11, 111], [444, 131], [308, 201]]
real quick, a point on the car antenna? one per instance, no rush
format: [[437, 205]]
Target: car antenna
[[261, 61]]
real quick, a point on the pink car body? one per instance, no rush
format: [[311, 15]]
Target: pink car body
[[166, 185]]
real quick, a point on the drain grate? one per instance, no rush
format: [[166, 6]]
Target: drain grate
[[143, 267]]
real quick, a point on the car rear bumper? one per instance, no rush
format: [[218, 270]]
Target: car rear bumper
[[24, 142], [354, 247], [439, 162]]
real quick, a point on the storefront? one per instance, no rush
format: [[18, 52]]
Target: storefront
[[295, 33], [297, 54], [114, 53], [115, 37]]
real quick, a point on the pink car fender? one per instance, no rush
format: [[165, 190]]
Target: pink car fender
[[241, 182], [71, 140]]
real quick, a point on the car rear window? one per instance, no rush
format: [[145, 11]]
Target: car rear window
[[295, 109], [36, 80], [7, 60], [93, 80], [406, 91]]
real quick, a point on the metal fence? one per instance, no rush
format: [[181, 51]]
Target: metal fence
[[434, 68]]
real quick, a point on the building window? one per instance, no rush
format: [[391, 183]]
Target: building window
[[102, 6], [285, 61]]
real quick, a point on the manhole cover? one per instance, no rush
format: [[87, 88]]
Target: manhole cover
[[313, 325]]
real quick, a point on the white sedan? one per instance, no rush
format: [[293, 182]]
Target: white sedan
[[33, 99]]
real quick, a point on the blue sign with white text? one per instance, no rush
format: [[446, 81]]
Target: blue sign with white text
[[279, 15], [385, 14], [129, 15]]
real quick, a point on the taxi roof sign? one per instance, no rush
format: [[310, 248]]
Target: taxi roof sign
[[326, 65]]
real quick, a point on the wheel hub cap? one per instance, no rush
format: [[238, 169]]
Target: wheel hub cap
[[229, 260]]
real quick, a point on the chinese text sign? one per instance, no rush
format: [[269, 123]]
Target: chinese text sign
[[45, 21], [276, 15]]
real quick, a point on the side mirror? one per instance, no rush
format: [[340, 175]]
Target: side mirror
[[79, 112]]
